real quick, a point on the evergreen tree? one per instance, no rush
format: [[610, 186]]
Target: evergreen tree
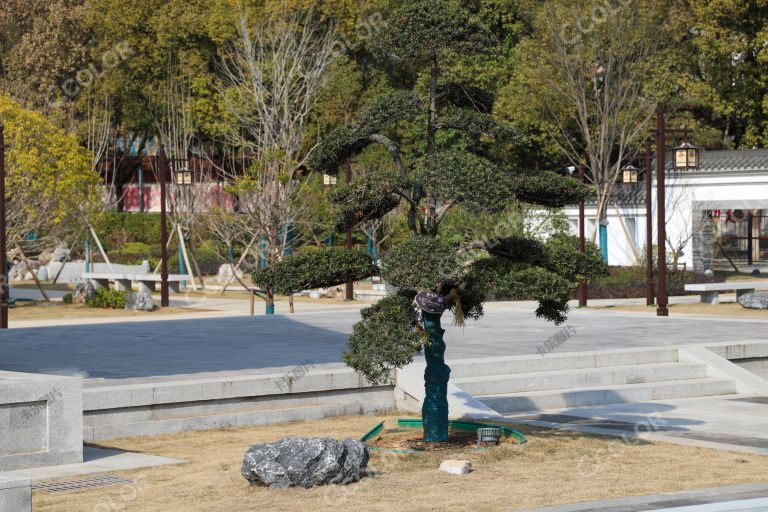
[[456, 170]]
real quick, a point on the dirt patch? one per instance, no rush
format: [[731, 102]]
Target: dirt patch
[[54, 310]]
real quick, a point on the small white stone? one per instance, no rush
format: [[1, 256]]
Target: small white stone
[[456, 467]]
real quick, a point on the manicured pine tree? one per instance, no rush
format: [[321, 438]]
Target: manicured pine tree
[[447, 175]]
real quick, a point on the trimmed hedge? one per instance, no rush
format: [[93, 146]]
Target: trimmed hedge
[[320, 269], [629, 282], [108, 298]]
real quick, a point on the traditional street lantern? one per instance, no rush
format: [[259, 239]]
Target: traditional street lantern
[[329, 180], [686, 157], [630, 174], [184, 177]]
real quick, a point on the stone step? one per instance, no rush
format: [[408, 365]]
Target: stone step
[[581, 397], [231, 420], [554, 362], [580, 378]]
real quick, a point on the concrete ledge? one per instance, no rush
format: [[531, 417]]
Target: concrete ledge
[[733, 285], [15, 494], [740, 350], [135, 394], [719, 367], [41, 420], [561, 361], [241, 419], [185, 403]]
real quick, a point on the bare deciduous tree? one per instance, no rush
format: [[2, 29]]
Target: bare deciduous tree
[[593, 74], [272, 74]]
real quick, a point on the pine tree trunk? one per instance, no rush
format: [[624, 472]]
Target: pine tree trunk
[[435, 409]]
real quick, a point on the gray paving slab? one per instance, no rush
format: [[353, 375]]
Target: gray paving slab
[[95, 460], [730, 422], [193, 344], [748, 498]]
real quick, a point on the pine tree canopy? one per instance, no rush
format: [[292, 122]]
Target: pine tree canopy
[[452, 166]]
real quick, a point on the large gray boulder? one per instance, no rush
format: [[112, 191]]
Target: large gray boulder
[[83, 293], [754, 300], [141, 301], [305, 462]]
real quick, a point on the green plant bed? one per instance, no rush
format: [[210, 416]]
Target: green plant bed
[[464, 426], [462, 435]]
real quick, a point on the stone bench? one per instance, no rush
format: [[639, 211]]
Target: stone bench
[[144, 282], [710, 292]]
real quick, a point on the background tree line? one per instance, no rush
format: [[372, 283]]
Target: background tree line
[[118, 75]]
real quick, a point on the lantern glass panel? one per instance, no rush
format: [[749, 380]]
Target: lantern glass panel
[[681, 158], [184, 177], [630, 176], [693, 158]]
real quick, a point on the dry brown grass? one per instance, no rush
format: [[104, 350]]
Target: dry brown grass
[[40, 310], [697, 308], [30, 285], [552, 468]]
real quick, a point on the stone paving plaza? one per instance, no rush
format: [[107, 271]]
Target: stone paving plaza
[[316, 334]]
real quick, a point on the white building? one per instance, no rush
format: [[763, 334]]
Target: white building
[[717, 215]]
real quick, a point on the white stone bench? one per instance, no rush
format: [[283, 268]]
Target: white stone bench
[[710, 292], [144, 282]]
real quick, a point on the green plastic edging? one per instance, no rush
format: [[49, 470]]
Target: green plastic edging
[[373, 433], [464, 425], [387, 450]]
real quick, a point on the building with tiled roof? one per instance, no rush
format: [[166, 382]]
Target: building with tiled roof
[[717, 215]]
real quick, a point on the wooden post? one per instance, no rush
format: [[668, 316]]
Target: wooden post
[[252, 300], [350, 293], [34, 274], [163, 169], [101, 249], [649, 288], [185, 257], [582, 282], [661, 157], [3, 248]]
